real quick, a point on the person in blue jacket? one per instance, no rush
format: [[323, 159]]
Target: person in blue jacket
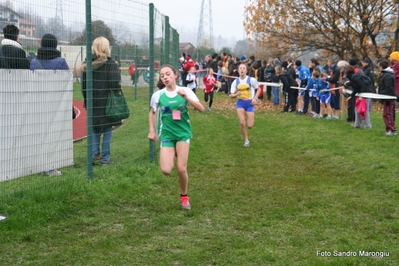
[[313, 88], [303, 75], [48, 57]]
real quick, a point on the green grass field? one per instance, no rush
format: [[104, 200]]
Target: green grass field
[[305, 192]]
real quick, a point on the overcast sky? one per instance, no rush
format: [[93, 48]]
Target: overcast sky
[[227, 15], [184, 15]]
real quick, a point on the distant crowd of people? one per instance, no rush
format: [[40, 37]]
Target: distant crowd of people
[[313, 89]]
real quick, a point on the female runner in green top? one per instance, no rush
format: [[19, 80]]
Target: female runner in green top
[[174, 126]]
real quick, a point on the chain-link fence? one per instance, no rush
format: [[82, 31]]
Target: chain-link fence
[[41, 144]]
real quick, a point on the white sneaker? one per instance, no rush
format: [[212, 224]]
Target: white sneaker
[[246, 143], [391, 133]]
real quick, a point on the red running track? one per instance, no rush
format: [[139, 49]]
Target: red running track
[[79, 123]]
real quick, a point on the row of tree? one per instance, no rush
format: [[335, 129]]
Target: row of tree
[[346, 28]]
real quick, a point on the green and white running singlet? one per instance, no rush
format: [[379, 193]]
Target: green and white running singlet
[[173, 119]]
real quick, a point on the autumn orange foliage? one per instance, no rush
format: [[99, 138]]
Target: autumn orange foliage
[[346, 28]]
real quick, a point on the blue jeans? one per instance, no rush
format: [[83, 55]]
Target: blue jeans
[[106, 145], [306, 102], [276, 95]]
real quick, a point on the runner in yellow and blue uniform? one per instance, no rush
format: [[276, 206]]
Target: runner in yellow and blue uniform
[[244, 88]]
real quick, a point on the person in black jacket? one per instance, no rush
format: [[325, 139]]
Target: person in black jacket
[[13, 55], [269, 72], [261, 76], [387, 87], [106, 77], [293, 93], [214, 63], [360, 83], [368, 69], [288, 82], [335, 76]]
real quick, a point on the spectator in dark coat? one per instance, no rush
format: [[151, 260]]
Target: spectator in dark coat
[[335, 76], [106, 77], [368, 70], [293, 93], [48, 57], [288, 82], [387, 87], [269, 72], [214, 63], [359, 84], [13, 54], [232, 69]]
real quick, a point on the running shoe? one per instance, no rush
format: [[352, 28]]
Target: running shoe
[[185, 204], [246, 143]]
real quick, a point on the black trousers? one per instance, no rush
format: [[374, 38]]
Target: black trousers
[[292, 99], [351, 110], [210, 97], [305, 102]]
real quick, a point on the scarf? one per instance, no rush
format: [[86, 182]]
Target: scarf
[[11, 42], [47, 53]]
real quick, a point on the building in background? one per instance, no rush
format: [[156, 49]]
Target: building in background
[[187, 48]]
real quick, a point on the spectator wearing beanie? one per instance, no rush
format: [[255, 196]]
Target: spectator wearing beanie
[[353, 62], [394, 60], [48, 57]]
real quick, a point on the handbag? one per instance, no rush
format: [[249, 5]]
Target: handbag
[[116, 108]]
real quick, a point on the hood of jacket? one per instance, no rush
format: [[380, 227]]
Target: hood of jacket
[[388, 70], [97, 62]]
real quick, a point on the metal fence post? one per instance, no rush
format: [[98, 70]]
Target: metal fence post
[[151, 65], [167, 41], [119, 55], [89, 91], [136, 75], [175, 49]]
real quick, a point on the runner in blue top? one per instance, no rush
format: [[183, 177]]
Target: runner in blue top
[[244, 88], [325, 97], [313, 88]]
